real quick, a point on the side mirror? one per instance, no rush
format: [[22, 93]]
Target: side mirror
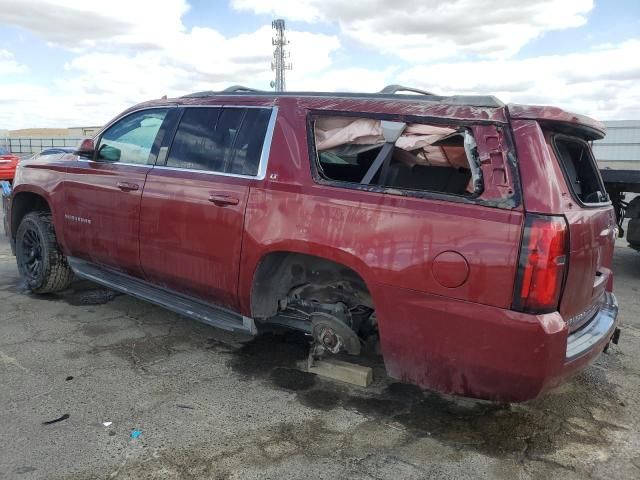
[[86, 148], [108, 153]]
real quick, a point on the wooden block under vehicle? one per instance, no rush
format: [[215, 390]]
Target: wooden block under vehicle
[[343, 371]]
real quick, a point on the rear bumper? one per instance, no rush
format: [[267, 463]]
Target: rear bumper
[[599, 328], [480, 351]]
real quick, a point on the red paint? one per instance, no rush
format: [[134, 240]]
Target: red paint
[[591, 229], [544, 114], [441, 273], [188, 243], [450, 269], [91, 192], [471, 349], [8, 165]]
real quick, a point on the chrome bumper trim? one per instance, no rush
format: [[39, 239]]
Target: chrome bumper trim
[[602, 325]]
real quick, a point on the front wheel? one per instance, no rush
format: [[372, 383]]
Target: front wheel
[[41, 263]]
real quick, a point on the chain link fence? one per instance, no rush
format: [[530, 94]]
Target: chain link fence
[[34, 145]]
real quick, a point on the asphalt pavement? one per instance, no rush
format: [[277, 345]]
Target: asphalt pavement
[[98, 385]]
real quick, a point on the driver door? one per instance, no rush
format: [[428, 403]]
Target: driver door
[[102, 194]]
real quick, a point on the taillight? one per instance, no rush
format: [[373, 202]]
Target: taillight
[[542, 264]]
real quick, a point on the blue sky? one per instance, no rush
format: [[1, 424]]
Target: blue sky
[[73, 62]]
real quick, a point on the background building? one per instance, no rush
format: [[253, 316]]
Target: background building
[[33, 140], [620, 149]]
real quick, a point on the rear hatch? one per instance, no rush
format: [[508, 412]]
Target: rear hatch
[[592, 230]]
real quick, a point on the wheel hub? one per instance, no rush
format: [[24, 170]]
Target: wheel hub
[[330, 340], [334, 335]]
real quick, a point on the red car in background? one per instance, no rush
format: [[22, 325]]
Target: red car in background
[[8, 164]]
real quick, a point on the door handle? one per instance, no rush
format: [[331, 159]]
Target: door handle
[[127, 187], [223, 200]]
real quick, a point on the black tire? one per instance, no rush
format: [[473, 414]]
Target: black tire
[[40, 261]]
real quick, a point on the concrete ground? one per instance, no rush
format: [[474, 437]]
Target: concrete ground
[[214, 406]]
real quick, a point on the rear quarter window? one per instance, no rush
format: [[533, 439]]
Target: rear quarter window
[[422, 158], [580, 170]]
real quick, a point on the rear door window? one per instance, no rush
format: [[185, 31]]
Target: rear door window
[[580, 169], [197, 145], [223, 140]]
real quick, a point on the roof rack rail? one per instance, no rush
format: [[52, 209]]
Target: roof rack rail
[[387, 93], [239, 89], [401, 88], [232, 89]]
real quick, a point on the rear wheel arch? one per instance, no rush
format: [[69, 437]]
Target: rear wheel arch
[[278, 272]]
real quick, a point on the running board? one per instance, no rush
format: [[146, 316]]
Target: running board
[[181, 304]]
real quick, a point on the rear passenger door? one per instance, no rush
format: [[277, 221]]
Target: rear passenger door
[[192, 211]]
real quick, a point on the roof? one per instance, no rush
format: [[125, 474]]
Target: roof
[[486, 101], [465, 108], [390, 92], [559, 119], [394, 100], [622, 143]]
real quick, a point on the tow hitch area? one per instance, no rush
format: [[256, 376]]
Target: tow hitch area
[[616, 336], [614, 339]]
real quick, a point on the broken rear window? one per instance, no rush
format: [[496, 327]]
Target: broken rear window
[[580, 169], [407, 156]]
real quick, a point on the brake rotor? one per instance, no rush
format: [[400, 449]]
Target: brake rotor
[[333, 334]]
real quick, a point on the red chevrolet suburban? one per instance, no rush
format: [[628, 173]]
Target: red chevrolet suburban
[[470, 240]]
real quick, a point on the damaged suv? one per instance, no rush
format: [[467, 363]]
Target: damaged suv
[[468, 241]]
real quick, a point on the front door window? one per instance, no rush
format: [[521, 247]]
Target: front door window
[[130, 140]]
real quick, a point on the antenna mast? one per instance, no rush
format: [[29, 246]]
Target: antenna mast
[[280, 54]]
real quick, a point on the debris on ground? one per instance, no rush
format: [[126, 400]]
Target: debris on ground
[[56, 420]]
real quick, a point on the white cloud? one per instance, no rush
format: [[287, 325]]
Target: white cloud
[[98, 85], [8, 64], [604, 83], [353, 79], [121, 59], [82, 24], [423, 30]]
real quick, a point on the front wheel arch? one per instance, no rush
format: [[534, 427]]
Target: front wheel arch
[[21, 204]]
